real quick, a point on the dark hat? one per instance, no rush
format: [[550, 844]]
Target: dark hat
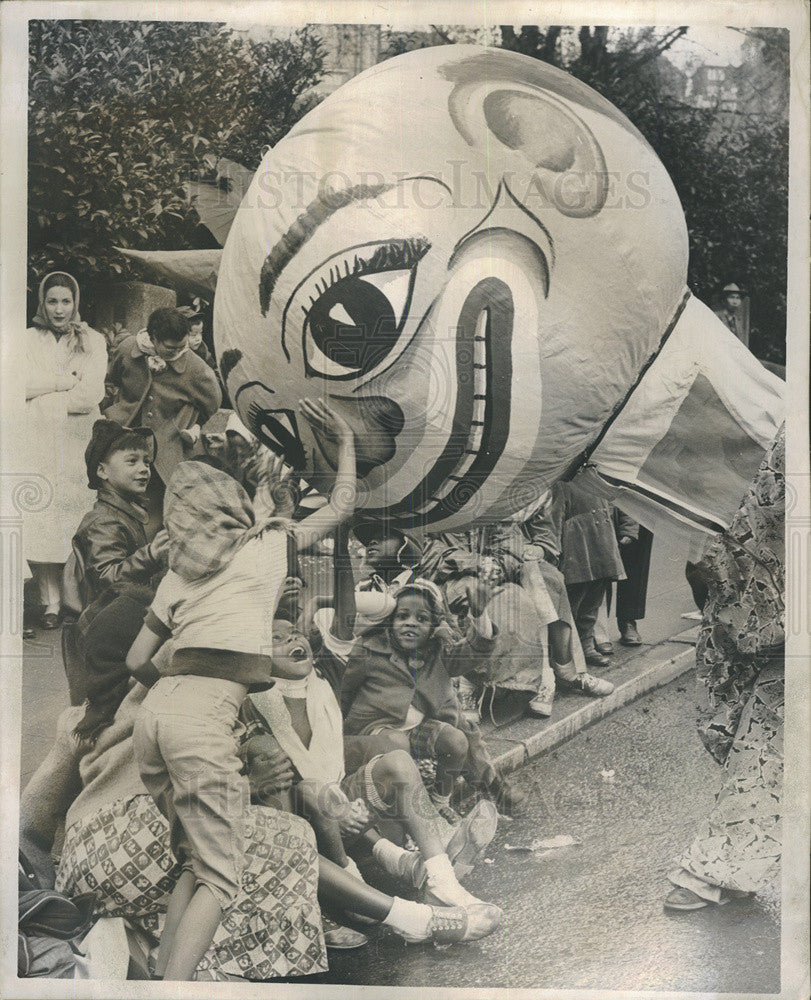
[[190, 313], [106, 433], [732, 287], [366, 531]]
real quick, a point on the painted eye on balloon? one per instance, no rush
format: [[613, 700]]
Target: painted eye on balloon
[[355, 307]]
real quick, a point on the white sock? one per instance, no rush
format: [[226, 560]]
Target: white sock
[[409, 917], [442, 882], [352, 868], [441, 800], [388, 854]]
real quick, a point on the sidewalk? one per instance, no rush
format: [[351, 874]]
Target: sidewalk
[[633, 671]]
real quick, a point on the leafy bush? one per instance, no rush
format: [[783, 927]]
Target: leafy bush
[[123, 114]]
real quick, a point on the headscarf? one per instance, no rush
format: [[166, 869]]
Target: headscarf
[[76, 326], [427, 589], [208, 516]]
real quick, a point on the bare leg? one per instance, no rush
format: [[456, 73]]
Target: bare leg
[[327, 830], [451, 754], [178, 901], [338, 888], [560, 642], [194, 934], [283, 801], [398, 781]]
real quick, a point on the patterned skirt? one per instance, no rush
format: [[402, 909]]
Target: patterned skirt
[[121, 855], [739, 844]]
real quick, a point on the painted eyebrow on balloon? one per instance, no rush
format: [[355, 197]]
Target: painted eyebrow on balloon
[[315, 215]]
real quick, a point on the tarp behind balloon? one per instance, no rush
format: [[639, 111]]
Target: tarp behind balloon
[[481, 263]]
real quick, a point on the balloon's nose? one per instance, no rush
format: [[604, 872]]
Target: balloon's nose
[[376, 422]]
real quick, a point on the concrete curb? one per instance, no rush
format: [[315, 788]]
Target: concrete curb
[[559, 732]]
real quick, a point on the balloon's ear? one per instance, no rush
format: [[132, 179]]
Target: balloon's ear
[[554, 141], [690, 437]]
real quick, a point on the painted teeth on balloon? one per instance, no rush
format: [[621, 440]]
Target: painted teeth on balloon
[[474, 441]]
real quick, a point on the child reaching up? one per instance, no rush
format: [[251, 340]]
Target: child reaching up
[[217, 603]]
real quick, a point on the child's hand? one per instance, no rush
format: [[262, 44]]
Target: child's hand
[[479, 593], [357, 819], [492, 572], [290, 596], [276, 483], [159, 546], [324, 419], [626, 540], [269, 769], [191, 436]]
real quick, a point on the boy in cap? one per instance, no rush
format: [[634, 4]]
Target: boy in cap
[[111, 545], [112, 566]]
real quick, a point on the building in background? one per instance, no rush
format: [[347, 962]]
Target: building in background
[[350, 49], [715, 87]]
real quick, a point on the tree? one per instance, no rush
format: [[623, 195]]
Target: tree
[[123, 114], [729, 169]]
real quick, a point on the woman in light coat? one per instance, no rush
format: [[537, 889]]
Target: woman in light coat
[[66, 366]]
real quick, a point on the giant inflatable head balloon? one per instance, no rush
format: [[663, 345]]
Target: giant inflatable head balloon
[[481, 264]]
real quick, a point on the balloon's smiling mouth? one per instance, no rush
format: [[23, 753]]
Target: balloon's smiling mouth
[[481, 420]]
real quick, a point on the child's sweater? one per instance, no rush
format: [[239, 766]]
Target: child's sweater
[[185, 393]]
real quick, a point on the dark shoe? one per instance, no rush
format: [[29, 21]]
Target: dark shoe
[[509, 798], [684, 899], [629, 635], [49, 621], [69, 617], [595, 659], [29, 632], [342, 938], [410, 869], [606, 648]]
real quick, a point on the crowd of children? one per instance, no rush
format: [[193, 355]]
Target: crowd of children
[[187, 566]]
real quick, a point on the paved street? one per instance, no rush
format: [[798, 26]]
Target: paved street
[[591, 916], [587, 916]]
